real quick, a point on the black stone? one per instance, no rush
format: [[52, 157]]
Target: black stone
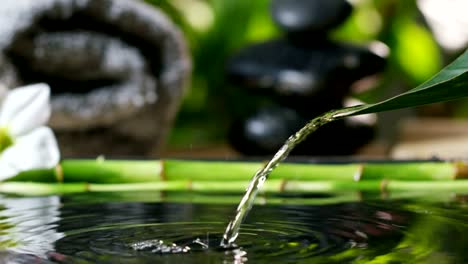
[[297, 74], [265, 132], [309, 16]]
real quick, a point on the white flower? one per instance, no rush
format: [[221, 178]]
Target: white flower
[[25, 142]]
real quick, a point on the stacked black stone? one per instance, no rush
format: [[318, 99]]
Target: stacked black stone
[[305, 74]]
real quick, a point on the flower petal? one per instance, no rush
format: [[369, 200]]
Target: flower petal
[[36, 150], [25, 108]]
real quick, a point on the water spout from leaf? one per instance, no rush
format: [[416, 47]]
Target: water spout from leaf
[[449, 84]]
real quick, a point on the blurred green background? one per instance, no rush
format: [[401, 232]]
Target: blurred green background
[[216, 29]]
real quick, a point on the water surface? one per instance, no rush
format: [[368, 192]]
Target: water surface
[[188, 228]]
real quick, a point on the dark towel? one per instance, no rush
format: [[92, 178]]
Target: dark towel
[[117, 69]]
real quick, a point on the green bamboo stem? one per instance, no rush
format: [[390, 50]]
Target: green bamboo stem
[[272, 186], [75, 176], [97, 171], [140, 171]]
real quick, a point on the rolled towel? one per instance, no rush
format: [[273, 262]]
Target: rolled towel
[[117, 70]]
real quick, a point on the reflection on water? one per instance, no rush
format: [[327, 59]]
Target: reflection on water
[[163, 228], [28, 225]]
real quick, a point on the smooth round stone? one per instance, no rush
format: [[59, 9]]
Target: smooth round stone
[[309, 16], [281, 68], [264, 132], [277, 65]]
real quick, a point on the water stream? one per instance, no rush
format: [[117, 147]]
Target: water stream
[[257, 181]]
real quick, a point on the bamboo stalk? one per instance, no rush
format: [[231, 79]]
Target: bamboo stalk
[[97, 171], [138, 171], [77, 176], [225, 170], [272, 186]]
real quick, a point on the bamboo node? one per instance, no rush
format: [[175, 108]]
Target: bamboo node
[[358, 174], [162, 172], [59, 173], [189, 185], [384, 185], [87, 187], [283, 184], [461, 170]]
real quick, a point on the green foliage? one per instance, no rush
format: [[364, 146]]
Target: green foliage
[[415, 50]]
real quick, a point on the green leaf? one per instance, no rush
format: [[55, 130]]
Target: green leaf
[[449, 84]]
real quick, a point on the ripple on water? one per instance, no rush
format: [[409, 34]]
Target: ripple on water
[[28, 226], [188, 233], [137, 232]]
